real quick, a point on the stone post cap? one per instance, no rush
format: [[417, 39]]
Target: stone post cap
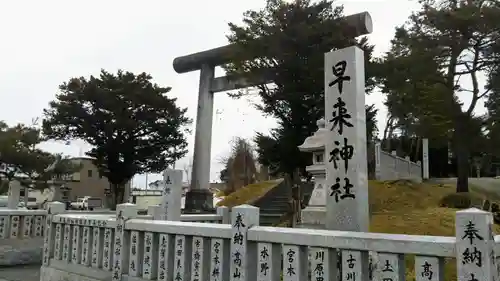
[[127, 210], [321, 123], [56, 207]]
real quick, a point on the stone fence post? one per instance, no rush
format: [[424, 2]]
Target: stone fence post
[[243, 259], [53, 208], [223, 211], [475, 246], [124, 212]]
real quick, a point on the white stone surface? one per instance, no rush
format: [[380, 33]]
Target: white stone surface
[[319, 194], [323, 263], [219, 271], [265, 269], [390, 267], [134, 255], [150, 250], [294, 263], [425, 158], [57, 241], [86, 245], [199, 259], [97, 247], [107, 253], [346, 166], [14, 194], [54, 208], [181, 263], [66, 243], [15, 223], [27, 225], [123, 213], [242, 218], [378, 156], [429, 268], [165, 251], [172, 194], [76, 240], [38, 226], [475, 246], [4, 226], [351, 266]]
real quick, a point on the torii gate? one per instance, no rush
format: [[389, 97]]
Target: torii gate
[[199, 199]]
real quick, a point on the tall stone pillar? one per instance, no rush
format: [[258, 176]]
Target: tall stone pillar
[[199, 199]]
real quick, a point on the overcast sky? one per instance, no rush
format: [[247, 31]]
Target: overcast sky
[[46, 42]]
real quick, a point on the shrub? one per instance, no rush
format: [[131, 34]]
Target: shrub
[[462, 200]]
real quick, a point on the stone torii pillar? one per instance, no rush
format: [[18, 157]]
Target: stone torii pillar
[[199, 199]]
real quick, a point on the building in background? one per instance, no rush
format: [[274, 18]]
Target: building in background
[[86, 182]]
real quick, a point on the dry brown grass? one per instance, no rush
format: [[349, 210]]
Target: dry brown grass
[[249, 194]]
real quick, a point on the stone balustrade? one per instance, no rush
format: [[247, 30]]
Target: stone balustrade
[[22, 231], [96, 247], [17, 224]]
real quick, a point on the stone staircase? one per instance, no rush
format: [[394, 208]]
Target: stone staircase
[[275, 203]]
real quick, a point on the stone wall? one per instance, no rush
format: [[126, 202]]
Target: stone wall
[[393, 167]]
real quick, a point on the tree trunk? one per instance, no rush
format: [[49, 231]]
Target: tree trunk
[[417, 149], [462, 154], [117, 193]]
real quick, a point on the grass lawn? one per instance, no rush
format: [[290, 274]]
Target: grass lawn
[[400, 207]]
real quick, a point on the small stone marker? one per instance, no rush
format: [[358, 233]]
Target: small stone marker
[[97, 245], [352, 266], [323, 264], [219, 270], [38, 226], [27, 225], [86, 242], [48, 240], [182, 263], [475, 246], [107, 254], [149, 266], [241, 260], [14, 226], [166, 252], [14, 194], [295, 263], [390, 267], [378, 155], [425, 159], [429, 268], [172, 194], [123, 213], [134, 254], [58, 241], [346, 169], [200, 259], [76, 244], [4, 226]]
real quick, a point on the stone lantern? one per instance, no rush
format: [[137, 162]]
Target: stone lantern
[[313, 216]]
